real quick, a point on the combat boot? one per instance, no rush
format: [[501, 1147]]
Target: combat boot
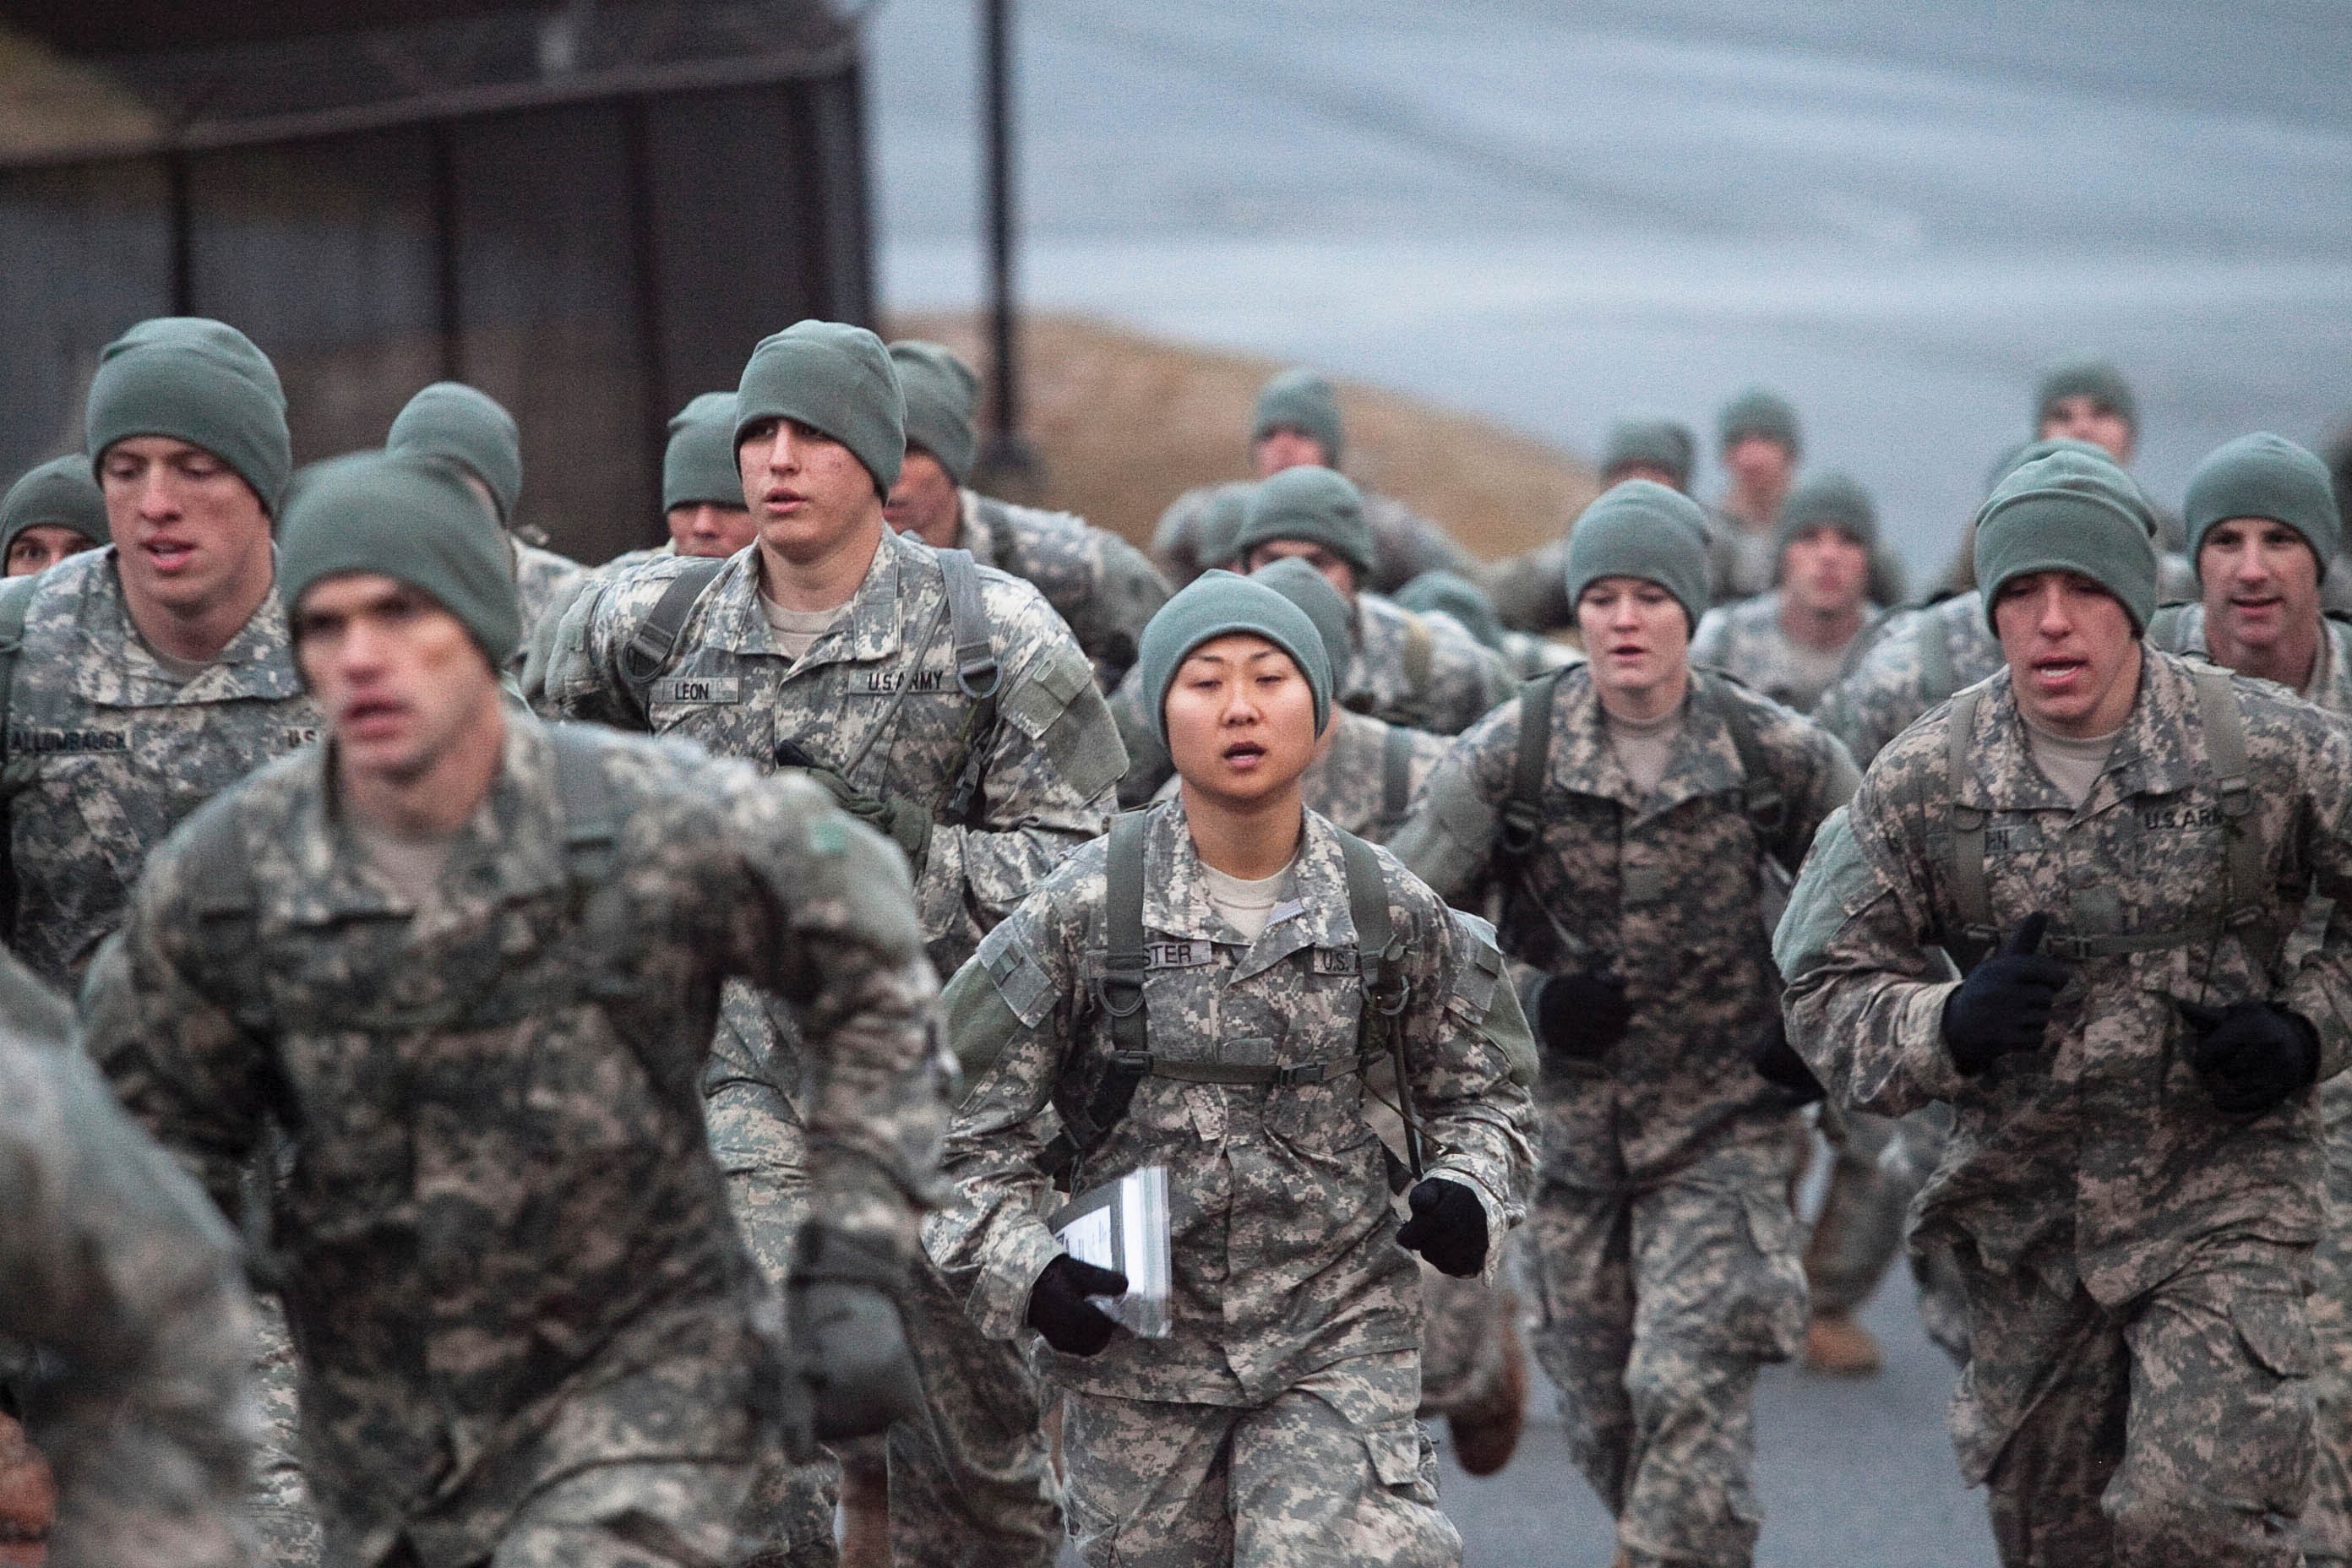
[[1838, 1346], [1486, 1431]]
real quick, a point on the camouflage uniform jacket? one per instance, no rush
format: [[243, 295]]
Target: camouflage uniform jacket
[[115, 1262], [1404, 543], [1748, 642], [1284, 1246], [1051, 763], [106, 753], [1425, 672], [2103, 1149], [1666, 892], [504, 1237], [541, 579], [1103, 587], [1914, 660]]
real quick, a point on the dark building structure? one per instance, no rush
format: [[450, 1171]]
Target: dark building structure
[[591, 212]]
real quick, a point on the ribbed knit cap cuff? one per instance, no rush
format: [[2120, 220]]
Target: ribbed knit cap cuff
[[1301, 400], [837, 380], [198, 381], [2268, 476], [941, 392], [698, 464], [1641, 529], [1455, 594], [1313, 504], [1654, 443], [1758, 412], [60, 491], [464, 424], [1827, 500], [1312, 591], [1212, 605], [410, 518], [2068, 512], [2085, 376]]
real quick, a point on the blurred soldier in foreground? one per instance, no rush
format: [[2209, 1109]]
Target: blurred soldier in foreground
[[945, 703], [1297, 425], [2115, 844], [461, 425], [55, 511], [469, 967], [118, 1275], [2262, 526], [1789, 642], [1528, 590], [1425, 673], [1098, 583], [1628, 810], [1260, 962]]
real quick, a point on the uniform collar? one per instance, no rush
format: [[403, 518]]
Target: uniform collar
[[116, 668], [2151, 755], [1704, 760], [1176, 894], [868, 629]]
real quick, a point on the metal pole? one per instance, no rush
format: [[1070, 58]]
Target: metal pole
[[1005, 456]]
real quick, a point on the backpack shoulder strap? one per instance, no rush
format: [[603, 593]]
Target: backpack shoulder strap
[[1937, 672], [1521, 819], [1971, 894], [1379, 1032], [977, 675], [1761, 797], [1420, 658], [1396, 774], [15, 604], [2225, 755], [654, 643], [1120, 994]]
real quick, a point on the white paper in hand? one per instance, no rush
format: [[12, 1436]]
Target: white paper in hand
[[1123, 1225]]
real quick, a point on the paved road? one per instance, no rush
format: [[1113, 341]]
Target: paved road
[[1555, 215]]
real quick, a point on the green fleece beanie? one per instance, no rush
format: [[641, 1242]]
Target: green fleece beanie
[[1641, 529], [2069, 513], [1221, 524], [1457, 595], [1827, 500], [60, 492], [2085, 376], [1654, 443], [1211, 605], [412, 519], [1303, 401], [1312, 504], [1312, 592], [1758, 412], [2026, 452], [461, 424], [2265, 474], [940, 391], [198, 381], [698, 464], [837, 380]]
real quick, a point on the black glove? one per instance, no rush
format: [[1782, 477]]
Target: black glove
[[2004, 1004], [2252, 1055], [1577, 1016], [1776, 1061], [854, 1373], [1448, 1227], [1058, 1308]]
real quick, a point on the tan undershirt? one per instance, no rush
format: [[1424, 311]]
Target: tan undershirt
[[1645, 746], [1245, 905], [411, 865], [2073, 766], [796, 630]]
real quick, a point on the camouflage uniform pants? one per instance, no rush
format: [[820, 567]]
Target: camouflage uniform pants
[[1859, 1230], [1462, 1339], [2327, 1516], [1911, 1159], [995, 1504], [1332, 1470], [1655, 1309], [280, 1503], [2174, 1434], [643, 1515]]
